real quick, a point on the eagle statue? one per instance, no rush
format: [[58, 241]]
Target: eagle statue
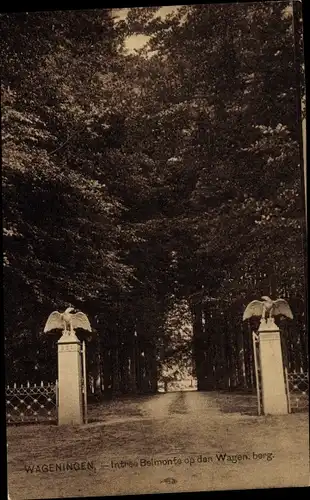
[[267, 308], [67, 321]]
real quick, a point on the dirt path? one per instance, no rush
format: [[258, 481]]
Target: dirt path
[[167, 443], [174, 404], [158, 406]]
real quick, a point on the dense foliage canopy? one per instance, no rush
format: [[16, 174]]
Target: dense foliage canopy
[[135, 180]]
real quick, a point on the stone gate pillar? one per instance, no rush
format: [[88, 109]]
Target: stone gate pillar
[[272, 373], [70, 406]]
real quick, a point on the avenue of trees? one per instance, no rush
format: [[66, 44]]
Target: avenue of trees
[[135, 181]]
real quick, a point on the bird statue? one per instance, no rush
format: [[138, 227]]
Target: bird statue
[[67, 321], [267, 308]]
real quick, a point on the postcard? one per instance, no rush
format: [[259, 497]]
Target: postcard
[[154, 218]]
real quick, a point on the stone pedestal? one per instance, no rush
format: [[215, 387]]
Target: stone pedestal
[[272, 373], [70, 409]]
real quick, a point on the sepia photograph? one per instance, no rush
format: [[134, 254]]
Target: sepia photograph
[[154, 249]]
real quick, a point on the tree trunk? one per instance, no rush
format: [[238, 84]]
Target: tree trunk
[[106, 370], [133, 367], [198, 347], [115, 371], [153, 369]]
